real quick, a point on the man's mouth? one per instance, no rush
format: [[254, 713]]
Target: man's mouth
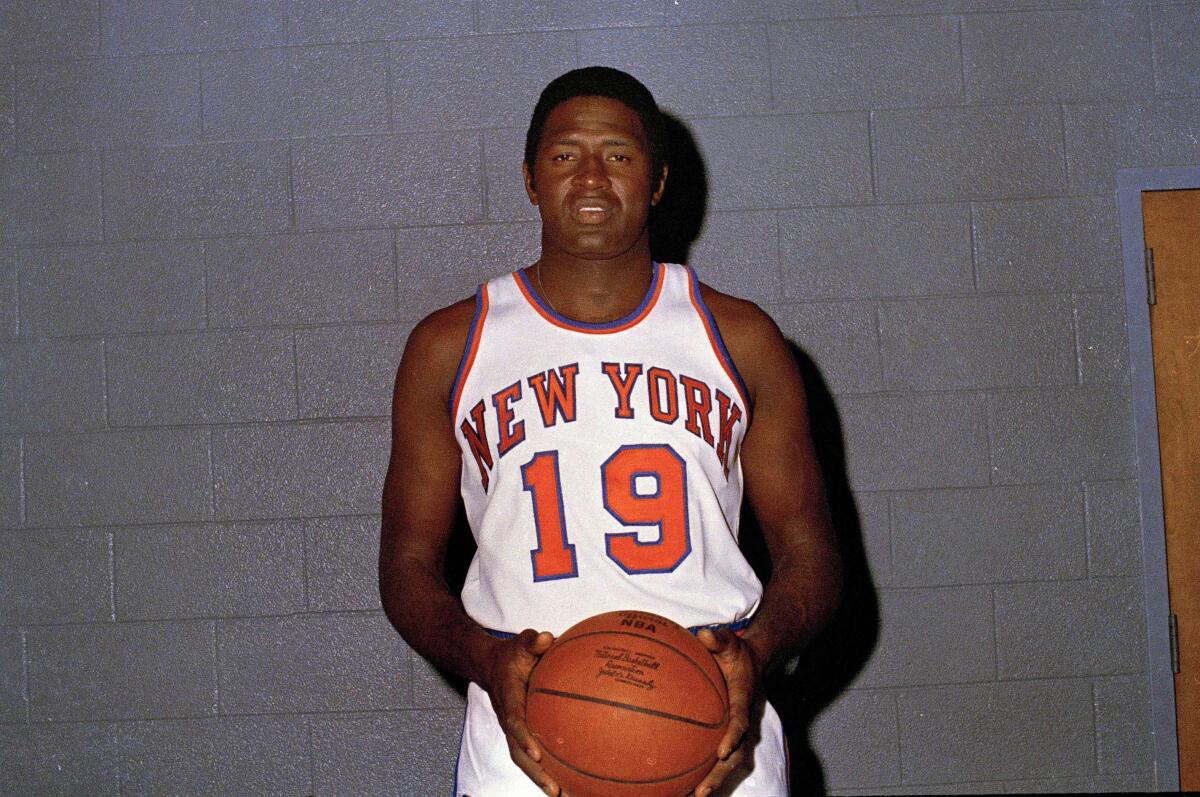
[[590, 211]]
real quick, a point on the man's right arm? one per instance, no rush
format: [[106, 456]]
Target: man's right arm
[[420, 504]]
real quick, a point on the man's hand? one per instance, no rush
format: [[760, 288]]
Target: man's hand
[[743, 680], [511, 661]]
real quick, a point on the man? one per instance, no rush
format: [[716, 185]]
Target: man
[[600, 414]]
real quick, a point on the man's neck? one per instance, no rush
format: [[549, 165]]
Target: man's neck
[[593, 291]]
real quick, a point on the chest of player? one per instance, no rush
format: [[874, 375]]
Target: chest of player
[[534, 381]]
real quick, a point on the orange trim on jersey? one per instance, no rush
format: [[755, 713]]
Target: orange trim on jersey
[[714, 340], [602, 328], [474, 335]]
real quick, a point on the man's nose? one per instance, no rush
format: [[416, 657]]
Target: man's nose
[[591, 172]]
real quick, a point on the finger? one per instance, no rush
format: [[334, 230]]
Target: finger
[[534, 771], [732, 740], [715, 640], [719, 773], [515, 728], [539, 643], [512, 721]]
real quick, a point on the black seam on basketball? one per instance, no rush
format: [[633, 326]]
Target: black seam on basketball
[[639, 709], [647, 781], [681, 655]]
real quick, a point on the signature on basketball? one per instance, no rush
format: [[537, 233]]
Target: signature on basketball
[[626, 666]]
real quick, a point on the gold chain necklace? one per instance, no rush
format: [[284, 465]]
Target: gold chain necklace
[[542, 288]]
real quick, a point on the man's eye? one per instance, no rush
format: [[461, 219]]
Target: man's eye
[[618, 157], [562, 156]]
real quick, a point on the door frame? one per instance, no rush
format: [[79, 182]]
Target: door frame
[[1130, 185]]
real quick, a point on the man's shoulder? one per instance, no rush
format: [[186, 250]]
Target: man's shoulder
[[739, 320], [752, 338], [436, 343]]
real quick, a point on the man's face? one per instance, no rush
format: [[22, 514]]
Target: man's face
[[591, 180]]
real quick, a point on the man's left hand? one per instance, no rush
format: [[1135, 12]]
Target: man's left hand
[[743, 680]]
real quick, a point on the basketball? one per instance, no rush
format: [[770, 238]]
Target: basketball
[[627, 704]]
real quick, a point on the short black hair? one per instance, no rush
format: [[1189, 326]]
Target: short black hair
[[601, 81]]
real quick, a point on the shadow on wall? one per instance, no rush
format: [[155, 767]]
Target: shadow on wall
[[835, 657], [830, 664], [833, 660], [676, 222]]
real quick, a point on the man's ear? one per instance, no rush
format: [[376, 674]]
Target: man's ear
[[529, 189], [662, 186]]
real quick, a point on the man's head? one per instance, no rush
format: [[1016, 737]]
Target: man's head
[[594, 165], [600, 81]]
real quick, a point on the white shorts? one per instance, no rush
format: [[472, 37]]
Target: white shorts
[[485, 769]]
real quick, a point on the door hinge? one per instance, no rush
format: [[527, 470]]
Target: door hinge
[[1173, 629], [1151, 291]]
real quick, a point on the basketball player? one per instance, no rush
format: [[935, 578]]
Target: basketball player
[[601, 415]]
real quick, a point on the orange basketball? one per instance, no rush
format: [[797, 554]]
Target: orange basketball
[[627, 704]]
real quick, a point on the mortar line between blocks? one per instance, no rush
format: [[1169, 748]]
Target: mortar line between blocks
[[295, 375], [1076, 339], [974, 244], [116, 738], [200, 92], [1062, 127], [877, 317], [112, 576], [104, 382], [962, 60], [216, 665], [770, 69], [103, 209], [483, 176], [291, 189], [304, 565], [25, 675], [1087, 527], [871, 154], [387, 76], [412, 677], [995, 635], [311, 762], [887, 506], [1153, 52], [899, 739], [780, 271], [23, 509], [204, 281], [396, 271], [212, 482], [1095, 727], [987, 436], [16, 329]]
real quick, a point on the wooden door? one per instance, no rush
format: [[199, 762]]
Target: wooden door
[[1172, 224]]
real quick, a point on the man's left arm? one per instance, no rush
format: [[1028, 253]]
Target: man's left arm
[[784, 486]]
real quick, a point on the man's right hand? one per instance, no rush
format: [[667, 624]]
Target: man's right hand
[[510, 663]]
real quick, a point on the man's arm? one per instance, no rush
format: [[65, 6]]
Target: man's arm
[[785, 489], [420, 504]]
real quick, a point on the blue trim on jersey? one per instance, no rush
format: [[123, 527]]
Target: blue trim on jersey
[[712, 324], [456, 385], [739, 625], [585, 325]]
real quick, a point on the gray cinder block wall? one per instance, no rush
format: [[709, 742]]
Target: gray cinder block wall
[[219, 220]]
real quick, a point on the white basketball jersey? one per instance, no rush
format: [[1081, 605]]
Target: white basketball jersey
[[600, 472], [600, 461]]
